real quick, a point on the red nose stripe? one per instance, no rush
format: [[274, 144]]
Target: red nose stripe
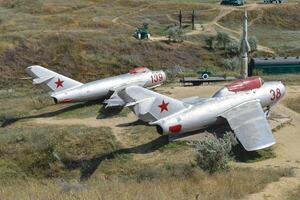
[[67, 100], [175, 128]]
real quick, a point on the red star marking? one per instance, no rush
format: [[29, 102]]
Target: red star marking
[[163, 106], [59, 83]]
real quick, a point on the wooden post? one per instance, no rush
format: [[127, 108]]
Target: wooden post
[[180, 18], [193, 20]]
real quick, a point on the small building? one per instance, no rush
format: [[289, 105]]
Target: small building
[[273, 66]]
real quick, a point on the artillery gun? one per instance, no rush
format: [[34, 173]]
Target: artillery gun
[[233, 2], [142, 33]]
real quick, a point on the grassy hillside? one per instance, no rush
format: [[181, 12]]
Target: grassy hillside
[[88, 39], [273, 26], [78, 162]]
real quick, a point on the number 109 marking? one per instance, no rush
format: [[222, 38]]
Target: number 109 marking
[[157, 78]]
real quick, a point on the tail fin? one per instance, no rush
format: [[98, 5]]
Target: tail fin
[[150, 106], [50, 80]]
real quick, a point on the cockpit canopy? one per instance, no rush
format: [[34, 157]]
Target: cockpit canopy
[[140, 69], [239, 86], [245, 84]]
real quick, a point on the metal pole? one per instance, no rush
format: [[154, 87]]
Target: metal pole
[[193, 20], [180, 18]]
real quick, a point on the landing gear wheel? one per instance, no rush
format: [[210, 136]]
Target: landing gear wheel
[[205, 76], [267, 113]]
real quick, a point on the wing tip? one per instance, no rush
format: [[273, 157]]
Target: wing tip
[[256, 148]]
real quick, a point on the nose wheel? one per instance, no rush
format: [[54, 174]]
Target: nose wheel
[[267, 113]]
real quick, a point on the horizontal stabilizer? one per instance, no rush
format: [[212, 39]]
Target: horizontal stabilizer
[[42, 79], [150, 106], [114, 101]]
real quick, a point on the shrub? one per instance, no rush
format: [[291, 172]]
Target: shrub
[[213, 153], [253, 43], [232, 64], [232, 49], [209, 41], [175, 34], [222, 39]]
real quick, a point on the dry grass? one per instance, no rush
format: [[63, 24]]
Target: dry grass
[[284, 29], [47, 162], [51, 151], [81, 40], [289, 79], [196, 185]]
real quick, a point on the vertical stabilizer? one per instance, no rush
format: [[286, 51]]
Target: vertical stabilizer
[[50, 80]]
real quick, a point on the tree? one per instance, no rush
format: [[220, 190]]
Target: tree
[[209, 40], [253, 43], [223, 39], [232, 49]]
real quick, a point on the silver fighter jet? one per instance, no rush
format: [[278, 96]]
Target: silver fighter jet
[[63, 89], [244, 104]]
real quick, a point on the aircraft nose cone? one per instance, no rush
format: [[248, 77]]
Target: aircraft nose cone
[[282, 89], [164, 75]]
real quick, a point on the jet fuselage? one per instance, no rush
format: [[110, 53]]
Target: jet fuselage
[[207, 113], [102, 89]]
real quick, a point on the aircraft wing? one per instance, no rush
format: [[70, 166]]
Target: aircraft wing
[[150, 106], [250, 125], [193, 100], [115, 100]]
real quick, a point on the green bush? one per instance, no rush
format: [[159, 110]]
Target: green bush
[[175, 34], [232, 49], [209, 41], [213, 153], [223, 39], [232, 64], [253, 43]]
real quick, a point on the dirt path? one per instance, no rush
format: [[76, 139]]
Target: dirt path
[[93, 122], [287, 155], [210, 28], [116, 20]]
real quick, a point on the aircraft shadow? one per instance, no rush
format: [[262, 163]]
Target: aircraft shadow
[[108, 112], [134, 123], [88, 167], [11, 120]]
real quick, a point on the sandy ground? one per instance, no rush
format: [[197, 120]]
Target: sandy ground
[[287, 148], [287, 152]]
